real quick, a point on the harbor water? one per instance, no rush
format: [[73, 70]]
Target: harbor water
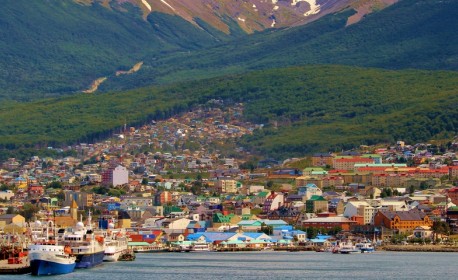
[[272, 265]]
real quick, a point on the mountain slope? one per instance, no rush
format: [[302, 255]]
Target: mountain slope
[[409, 34], [59, 46], [315, 107], [249, 15]]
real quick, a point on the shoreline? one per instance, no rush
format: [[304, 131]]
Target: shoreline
[[418, 248]]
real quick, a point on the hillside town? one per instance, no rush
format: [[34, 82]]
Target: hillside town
[[172, 184]]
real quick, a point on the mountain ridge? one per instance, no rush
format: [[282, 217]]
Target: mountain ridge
[[250, 15], [409, 34]]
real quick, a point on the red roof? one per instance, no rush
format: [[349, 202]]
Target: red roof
[[454, 189], [356, 160]]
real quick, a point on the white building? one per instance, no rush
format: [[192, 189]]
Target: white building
[[116, 176], [361, 208]]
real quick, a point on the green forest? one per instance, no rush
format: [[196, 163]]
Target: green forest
[[303, 108]]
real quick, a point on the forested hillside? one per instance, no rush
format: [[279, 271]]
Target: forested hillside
[[303, 108]]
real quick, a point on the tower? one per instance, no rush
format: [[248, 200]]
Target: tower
[[74, 210]]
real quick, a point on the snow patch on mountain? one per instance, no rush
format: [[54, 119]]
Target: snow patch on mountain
[[314, 7], [147, 5], [170, 6]]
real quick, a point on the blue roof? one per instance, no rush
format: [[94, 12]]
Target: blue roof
[[217, 236], [316, 240], [284, 227], [274, 222], [323, 237], [194, 236], [253, 235]]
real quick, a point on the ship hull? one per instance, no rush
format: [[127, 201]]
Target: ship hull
[[43, 267], [89, 260], [112, 257]]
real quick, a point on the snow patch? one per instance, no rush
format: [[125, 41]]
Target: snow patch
[[314, 7], [276, 8], [274, 2], [273, 23], [170, 6], [147, 5], [241, 19]]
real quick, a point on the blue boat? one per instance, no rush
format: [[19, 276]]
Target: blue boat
[[50, 263], [46, 256]]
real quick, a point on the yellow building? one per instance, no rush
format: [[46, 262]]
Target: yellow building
[[12, 223]]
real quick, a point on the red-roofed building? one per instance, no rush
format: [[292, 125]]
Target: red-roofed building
[[35, 190], [348, 163], [329, 181], [453, 195]]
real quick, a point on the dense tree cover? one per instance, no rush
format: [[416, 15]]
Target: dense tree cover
[[304, 109], [58, 47], [409, 34]]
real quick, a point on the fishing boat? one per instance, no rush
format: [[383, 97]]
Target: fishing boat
[[349, 248], [127, 255], [365, 247], [85, 245], [46, 256]]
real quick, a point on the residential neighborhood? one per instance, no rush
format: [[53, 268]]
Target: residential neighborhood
[[183, 181]]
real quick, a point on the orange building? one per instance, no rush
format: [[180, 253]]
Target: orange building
[[322, 159], [402, 221]]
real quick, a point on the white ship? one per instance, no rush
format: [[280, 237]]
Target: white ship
[[115, 244]]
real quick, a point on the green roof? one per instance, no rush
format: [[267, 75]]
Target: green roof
[[220, 218], [138, 244], [371, 156], [317, 198], [262, 194]]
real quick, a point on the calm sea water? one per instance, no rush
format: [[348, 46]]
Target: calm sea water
[[273, 265]]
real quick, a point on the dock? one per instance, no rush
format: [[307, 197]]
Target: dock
[[13, 267]]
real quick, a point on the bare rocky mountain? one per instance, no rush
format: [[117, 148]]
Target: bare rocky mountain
[[250, 15]]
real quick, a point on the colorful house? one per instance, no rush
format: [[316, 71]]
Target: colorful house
[[402, 221]]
